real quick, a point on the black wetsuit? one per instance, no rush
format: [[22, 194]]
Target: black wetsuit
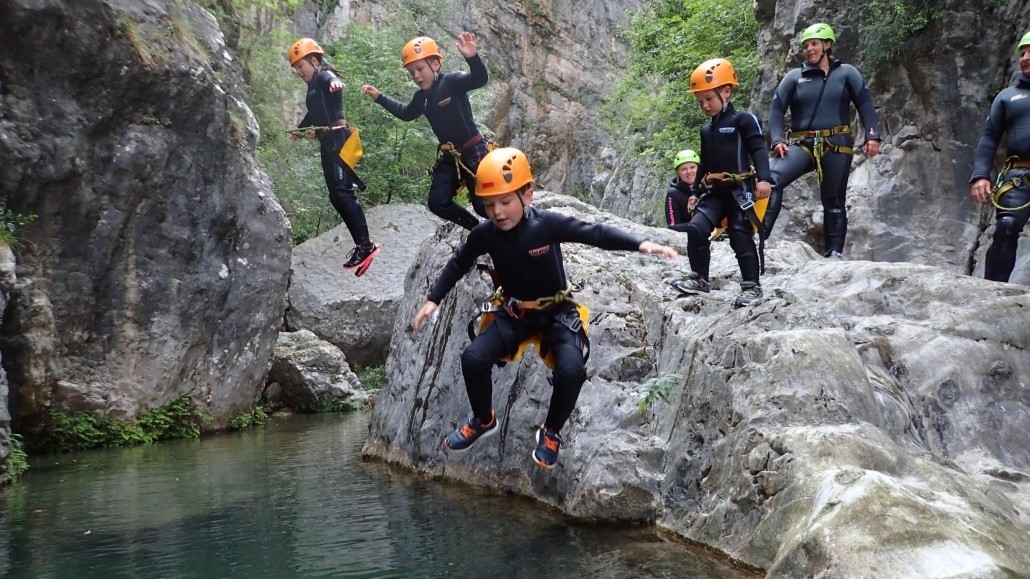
[[529, 266], [446, 106], [1010, 114], [676, 198], [731, 142], [325, 109], [819, 102]]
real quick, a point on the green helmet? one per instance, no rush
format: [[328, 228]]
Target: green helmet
[[819, 31], [1025, 41], [686, 156]]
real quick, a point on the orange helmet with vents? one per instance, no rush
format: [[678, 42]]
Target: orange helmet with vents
[[712, 74], [302, 48], [502, 171], [418, 48]]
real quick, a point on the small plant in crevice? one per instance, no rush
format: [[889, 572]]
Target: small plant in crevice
[[372, 377], [10, 222], [657, 388]]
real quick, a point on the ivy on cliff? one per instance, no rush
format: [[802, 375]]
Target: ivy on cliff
[[667, 41]]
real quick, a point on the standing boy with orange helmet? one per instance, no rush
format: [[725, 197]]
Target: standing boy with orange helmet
[[325, 110], [733, 156], [524, 244], [443, 99]]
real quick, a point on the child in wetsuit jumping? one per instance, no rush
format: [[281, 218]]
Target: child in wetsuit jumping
[[325, 110], [443, 99], [524, 244]]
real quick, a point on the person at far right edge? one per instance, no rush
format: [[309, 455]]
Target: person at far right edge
[[819, 96], [1010, 114]]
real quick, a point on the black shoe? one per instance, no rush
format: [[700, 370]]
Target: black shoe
[[465, 436], [361, 257], [547, 444]]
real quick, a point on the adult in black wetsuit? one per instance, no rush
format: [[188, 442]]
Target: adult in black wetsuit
[[682, 196], [731, 144], [325, 109], [443, 99], [819, 97], [1010, 114], [525, 245]]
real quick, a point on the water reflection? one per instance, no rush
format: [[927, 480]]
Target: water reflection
[[294, 499]]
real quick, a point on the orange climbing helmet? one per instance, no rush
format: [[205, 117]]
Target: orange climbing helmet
[[302, 48], [502, 171], [419, 48], [712, 74]]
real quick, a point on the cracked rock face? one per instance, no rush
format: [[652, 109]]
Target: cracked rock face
[[862, 415]]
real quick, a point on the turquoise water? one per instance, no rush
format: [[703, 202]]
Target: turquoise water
[[295, 499]]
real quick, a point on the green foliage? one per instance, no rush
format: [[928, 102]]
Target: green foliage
[[667, 41], [243, 420], [889, 25], [657, 388], [372, 377], [9, 224], [17, 461], [180, 418]]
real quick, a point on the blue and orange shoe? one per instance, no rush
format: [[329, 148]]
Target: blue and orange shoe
[[464, 437], [361, 257], [547, 444]]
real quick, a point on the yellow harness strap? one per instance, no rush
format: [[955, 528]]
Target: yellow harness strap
[[1003, 186], [498, 302], [820, 147]]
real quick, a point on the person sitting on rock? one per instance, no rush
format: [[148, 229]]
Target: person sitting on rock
[[534, 296], [819, 97], [733, 155], [443, 99], [1010, 114], [681, 197]]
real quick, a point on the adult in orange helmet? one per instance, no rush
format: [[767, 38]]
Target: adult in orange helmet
[[819, 96], [1009, 116], [325, 110], [536, 300], [733, 174], [443, 99]]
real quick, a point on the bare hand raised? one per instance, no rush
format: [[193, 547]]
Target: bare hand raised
[[467, 44]]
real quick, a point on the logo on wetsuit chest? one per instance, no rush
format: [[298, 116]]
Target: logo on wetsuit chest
[[1018, 96], [727, 130], [444, 102], [538, 251]]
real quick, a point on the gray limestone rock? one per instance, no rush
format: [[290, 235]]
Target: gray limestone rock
[[313, 374], [862, 416]]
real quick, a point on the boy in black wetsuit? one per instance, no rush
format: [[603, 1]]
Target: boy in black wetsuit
[[524, 244], [325, 110], [443, 99], [731, 144]]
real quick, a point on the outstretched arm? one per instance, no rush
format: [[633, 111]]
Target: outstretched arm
[[650, 247]]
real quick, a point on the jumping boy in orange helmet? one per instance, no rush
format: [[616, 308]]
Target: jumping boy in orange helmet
[[443, 99], [525, 245]]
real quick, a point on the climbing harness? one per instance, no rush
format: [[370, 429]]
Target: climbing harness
[[455, 152], [744, 200], [351, 151], [820, 146], [575, 320], [1003, 185]]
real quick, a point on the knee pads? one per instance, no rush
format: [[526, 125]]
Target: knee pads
[[1007, 228]]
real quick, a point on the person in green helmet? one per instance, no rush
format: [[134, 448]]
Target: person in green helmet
[[1010, 115], [681, 197], [819, 96]]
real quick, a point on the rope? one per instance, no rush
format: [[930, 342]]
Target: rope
[[820, 146]]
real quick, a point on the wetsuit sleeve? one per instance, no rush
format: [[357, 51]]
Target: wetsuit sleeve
[[675, 217], [571, 229], [754, 141], [990, 137], [458, 265], [476, 77], [778, 108], [863, 100], [404, 112]]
